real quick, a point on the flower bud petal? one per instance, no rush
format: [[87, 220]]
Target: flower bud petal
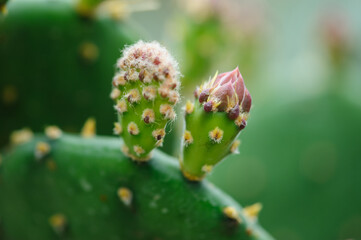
[[226, 90], [247, 101], [204, 95]]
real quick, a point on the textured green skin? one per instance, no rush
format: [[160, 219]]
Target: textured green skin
[[203, 151], [145, 139], [165, 205], [40, 56], [308, 165]]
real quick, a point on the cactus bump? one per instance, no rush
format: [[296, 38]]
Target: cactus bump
[[212, 123], [145, 90], [64, 186]]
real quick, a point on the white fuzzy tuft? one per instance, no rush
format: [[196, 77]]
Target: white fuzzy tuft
[[153, 58]]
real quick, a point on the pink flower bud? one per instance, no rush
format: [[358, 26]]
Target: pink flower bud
[[233, 78], [234, 112], [247, 102], [204, 95], [228, 93], [208, 106]]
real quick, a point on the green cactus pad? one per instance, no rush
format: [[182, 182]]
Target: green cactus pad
[[54, 66], [213, 122], [201, 152], [70, 187], [145, 91]]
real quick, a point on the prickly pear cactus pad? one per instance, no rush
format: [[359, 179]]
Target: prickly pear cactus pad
[[64, 58], [61, 186], [145, 91], [213, 122]]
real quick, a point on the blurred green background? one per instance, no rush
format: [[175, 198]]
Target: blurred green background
[[301, 60]]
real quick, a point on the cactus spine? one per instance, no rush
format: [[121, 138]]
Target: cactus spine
[[145, 89], [213, 122]]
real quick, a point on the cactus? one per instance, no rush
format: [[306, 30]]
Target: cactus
[[84, 187], [64, 58], [145, 91], [213, 122]]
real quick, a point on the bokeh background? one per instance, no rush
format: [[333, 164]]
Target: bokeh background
[[301, 60]]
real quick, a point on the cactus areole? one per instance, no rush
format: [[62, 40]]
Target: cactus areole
[[61, 186]]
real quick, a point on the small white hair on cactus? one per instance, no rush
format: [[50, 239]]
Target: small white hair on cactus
[[216, 135], [133, 128], [148, 115], [53, 132], [119, 79], [133, 95], [117, 128], [121, 106], [21, 136], [167, 111], [253, 210], [234, 146], [189, 107], [187, 137], [125, 195], [41, 150], [232, 213], [158, 134], [115, 93], [149, 93], [138, 150], [163, 91], [207, 168], [151, 57], [173, 96]]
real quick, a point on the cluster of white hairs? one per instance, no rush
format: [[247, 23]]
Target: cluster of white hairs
[[146, 61]]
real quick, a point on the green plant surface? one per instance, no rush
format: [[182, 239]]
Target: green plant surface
[[213, 122], [56, 66], [78, 179], [202, 151], [145, 90]]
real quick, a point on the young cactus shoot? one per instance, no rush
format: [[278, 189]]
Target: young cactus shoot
[[145, 90], [213, 122]]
